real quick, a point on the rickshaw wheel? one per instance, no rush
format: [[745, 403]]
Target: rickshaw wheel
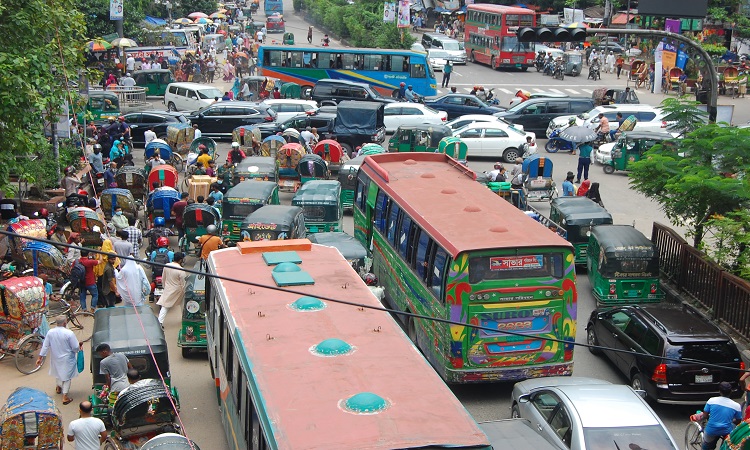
[[112, 444], [186, 352], [176, 160], [609, 169], [82, 324], [27, 354], [2, 355]]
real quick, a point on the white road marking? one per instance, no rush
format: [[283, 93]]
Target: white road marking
[[573, 91], [557, 91]]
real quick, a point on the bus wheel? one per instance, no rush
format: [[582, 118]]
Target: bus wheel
[[306, 92], [411, 329], [471, 57], [492, 63], [524, 69], [346, 148]]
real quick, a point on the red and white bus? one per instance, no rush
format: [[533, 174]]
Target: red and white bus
[[490, 36]]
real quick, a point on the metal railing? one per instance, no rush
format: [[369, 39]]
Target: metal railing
[[724, 295], [129, 95]]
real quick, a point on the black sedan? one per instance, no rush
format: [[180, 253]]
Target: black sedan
[[140, 122], [220, 119], [460, 104]]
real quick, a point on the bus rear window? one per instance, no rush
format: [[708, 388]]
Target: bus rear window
[[487, 268]]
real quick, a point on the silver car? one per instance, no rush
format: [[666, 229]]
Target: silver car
[[586, 413]]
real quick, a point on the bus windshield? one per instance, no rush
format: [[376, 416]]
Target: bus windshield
[[484, 268], [511, 44]]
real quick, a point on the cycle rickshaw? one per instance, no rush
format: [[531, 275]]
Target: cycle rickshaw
[[29, 419], [83, 220], [271, 145], [115, 197], [159, 203], [164, 175], [179, 137], [45, 259], [538, 184], [134, 180], [35, 228], [331, 151], [288, 158], [244, 136], [23, 321], [165, 152], [196, 218]]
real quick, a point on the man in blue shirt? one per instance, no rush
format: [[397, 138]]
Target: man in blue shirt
[[584, 160], [568, 189], [723, 414]]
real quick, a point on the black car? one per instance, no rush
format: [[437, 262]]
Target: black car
[[461, 104], [535, 113], [221, 118], [139, 122], [677, 332], [323, 121], [331, 92]]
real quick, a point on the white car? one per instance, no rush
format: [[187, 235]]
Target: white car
[[286, 108], [649, 118], [491, 139], [437, 59], [462, 121], [404, 113]]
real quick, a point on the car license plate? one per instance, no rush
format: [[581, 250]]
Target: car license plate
[[288, 183], [158, 291], [704, 378]]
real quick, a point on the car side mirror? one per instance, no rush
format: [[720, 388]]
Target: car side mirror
[[524, 398]]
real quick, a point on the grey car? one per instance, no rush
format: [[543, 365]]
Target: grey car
[[582, 413]]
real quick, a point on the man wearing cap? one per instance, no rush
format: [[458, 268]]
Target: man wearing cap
[[723, 414], [127, 80], [197, 131]]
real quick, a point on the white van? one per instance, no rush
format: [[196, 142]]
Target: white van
[[190, 96]]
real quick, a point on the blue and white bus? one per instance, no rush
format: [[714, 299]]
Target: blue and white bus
[[382, 69], [273, 6]]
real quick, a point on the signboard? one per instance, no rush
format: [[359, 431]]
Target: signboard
[[516, 262], [669, 56], [673, 26], [115, 9], [571, 15], [693, 9], [389, 12], [404, 20]]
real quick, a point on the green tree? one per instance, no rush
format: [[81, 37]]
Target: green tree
[[96, 15], [683, 115], [731, 242], [38, 35], [696, 178]]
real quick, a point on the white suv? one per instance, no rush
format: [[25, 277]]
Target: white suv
[[649, 118]]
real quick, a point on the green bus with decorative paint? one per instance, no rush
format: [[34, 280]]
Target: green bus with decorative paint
[[445, 246]]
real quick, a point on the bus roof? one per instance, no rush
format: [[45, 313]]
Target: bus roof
[[454, 209], [304, 394], [364, 51], [486, 7]]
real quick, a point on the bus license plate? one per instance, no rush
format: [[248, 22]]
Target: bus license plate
[[288, 183], [704, 378]]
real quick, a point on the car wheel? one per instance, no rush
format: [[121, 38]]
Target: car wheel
[[609, 169], [591, 339], [515, 413], [510, 155], [638, 383], [347, 148], [171, 107], [162, 136], [306, 92]]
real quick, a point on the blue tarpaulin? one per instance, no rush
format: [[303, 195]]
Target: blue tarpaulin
[[155, 21]]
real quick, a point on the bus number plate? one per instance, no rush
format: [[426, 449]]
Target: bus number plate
[[704, 378], [518, 59]]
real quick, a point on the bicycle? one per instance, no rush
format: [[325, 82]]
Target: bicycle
[[694, 435], [79, 322]]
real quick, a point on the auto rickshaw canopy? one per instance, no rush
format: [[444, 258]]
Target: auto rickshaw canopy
[[623, 242]]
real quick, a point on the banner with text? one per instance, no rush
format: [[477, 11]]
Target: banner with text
[[389, 12], [404, 20], [115, 9]]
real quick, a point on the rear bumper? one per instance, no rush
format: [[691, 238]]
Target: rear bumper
[[463, 376], [668, 397]]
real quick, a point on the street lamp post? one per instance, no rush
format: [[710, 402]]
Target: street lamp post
[[169, 12]]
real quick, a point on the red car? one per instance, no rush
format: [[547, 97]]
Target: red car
[[275, 23]]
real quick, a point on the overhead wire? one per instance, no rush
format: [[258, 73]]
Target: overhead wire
[[394, 311]]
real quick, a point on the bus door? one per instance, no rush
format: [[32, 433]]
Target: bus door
[[372, 197]]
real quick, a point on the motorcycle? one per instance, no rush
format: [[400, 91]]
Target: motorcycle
[[539, 62], [491, 99], [594, 72], [549, 68], [602, 138], [556, 143], [559, 71]]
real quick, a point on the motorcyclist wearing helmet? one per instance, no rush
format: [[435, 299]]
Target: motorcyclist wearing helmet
[[411, 96], [401, 91], [51, 223], [162, 247], [209, 241], [158, 231], [96, 160], [235, 155], [481, 94]]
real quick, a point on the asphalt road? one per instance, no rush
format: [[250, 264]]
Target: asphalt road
[[192, 377]]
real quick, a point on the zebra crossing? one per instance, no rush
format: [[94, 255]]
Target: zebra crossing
[[564, 91]]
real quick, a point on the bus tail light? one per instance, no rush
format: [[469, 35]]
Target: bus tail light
[[612, 289], [653, 288], [742, 365], [660, 374]]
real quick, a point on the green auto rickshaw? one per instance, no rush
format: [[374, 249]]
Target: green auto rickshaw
[[572, 62], [577, 215], [631, 146], [192, 334], [274, 222], [291, 90], [623, 266], [241, 201], [418, 138], [154, 80], [320, 201], [261, 168], [288, 38], [348, 180], [455, 148], [100, 106], [350, 248]]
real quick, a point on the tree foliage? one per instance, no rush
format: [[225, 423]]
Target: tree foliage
[[699, 177], [683, 115], [38, 35]]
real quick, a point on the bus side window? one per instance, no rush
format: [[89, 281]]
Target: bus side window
[[418, 71], [348, 61], [399, 64], [295, 59], [373, 62], [411, 249], [380, 211], [323, 61], [438, 271], [392, 227], [403, 237], [275, 58], [422, 260]]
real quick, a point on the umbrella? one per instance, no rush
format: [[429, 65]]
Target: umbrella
[[197, 15], [218, 15], [222, 10], [578, 134], [124, 42], [242, 55], [204, 20], [98, 45], [577, 25], [183, 21]]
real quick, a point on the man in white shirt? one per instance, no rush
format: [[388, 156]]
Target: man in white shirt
[[127, 80], [87, 432], [307, 136], [610, 63], [259, 36], [149, 135], [197, 131], [130, 63], [145, 65]]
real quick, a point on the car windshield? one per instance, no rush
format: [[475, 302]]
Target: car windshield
[[651, 437], [451, 45], [207, 94]]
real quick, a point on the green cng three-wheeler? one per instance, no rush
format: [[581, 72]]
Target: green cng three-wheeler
[[631, 146], [348, 180], [418, 138], [274, 222], [623, 266], [154, 80], [320, 201], [192, 334], [578, 215], [241, 201], [260, 168]]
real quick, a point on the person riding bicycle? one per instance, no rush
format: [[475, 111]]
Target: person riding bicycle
[[723, 414], [401, 91], [157, 232], [410, 94]]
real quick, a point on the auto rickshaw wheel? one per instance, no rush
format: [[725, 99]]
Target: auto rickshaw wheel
[[82, 325], [112, 444], [609, 169], [27, 353], [186, 352]]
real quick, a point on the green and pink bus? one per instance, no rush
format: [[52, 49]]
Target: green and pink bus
[[445, 246]]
